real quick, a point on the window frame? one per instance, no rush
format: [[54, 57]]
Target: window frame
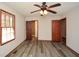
[[6, 27]]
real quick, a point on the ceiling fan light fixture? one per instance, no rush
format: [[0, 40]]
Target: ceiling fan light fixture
[[45, 12], [41, 12]]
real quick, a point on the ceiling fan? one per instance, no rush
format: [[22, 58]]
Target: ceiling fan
[[44, 9]]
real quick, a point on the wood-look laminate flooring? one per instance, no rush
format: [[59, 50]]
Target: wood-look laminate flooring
[[42, 49]]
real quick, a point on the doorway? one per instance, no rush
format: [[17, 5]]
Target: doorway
[[63, 30], [59, 30], [32, 30]]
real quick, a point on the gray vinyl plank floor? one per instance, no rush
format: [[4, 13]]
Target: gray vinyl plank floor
[[64, 50], [42, 49]]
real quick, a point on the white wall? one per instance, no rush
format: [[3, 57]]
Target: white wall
[[73, 29], [20, 32], [44, 25]]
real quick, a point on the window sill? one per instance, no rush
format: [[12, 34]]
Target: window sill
[[7, 42]]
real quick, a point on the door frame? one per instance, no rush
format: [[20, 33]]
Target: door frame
[[37, 28]]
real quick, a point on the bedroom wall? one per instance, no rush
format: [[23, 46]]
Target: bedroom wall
[[20, 32], [73, 29]]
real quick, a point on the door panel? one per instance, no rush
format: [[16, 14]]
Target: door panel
[[30, 29], [56, 31]]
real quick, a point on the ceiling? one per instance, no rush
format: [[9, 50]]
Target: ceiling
[[25, 8]]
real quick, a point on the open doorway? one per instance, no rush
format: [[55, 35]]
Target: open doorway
[[59, 30], [63, 30], [32, 30]]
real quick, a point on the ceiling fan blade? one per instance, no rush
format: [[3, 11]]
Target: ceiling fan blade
[[55, 5], [36, 11], [52, 11], [37, 5]]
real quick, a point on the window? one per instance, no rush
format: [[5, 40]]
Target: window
[[7, 27]]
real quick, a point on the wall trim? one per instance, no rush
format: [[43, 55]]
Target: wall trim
[[74, 52]]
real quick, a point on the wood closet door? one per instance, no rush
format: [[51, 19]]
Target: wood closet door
[[30, 29], [56, 31]]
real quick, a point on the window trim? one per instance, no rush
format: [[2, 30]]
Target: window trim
[[6, 27]]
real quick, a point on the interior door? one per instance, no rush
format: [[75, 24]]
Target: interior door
[[30, 29], [56, 30]]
